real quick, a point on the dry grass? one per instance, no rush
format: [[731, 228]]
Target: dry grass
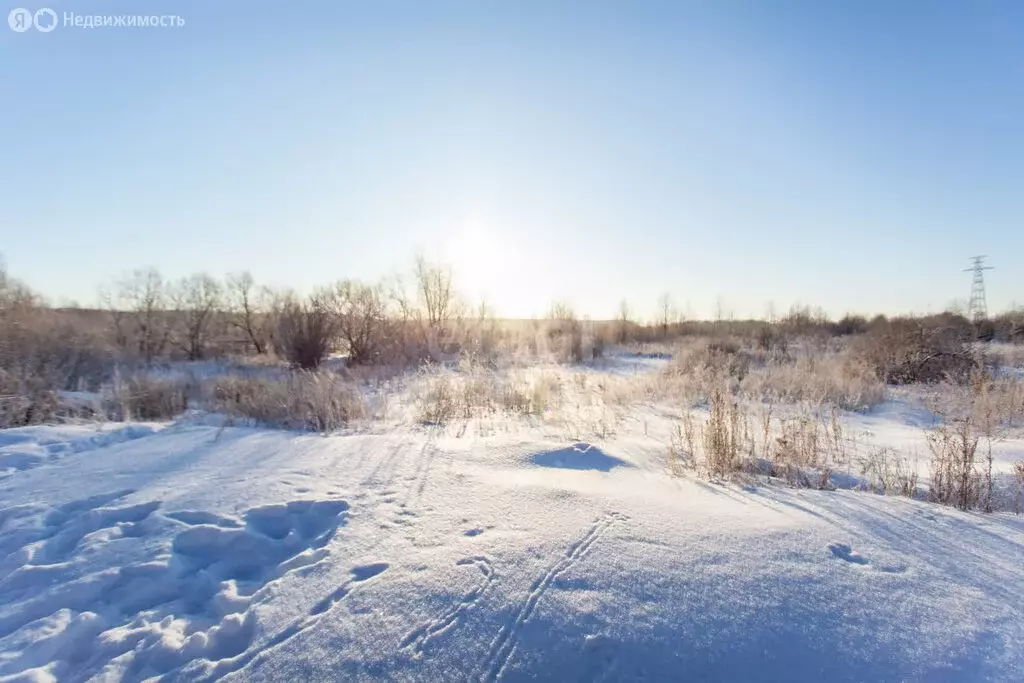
[[820, 375], [1018, 485], [1005, 355], [143, 397], [954, 477], [802, 445], [319, 401], [830, 380], [722, 436], [442, 396], [887, 472]]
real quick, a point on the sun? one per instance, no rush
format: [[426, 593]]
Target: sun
[[488, 266]]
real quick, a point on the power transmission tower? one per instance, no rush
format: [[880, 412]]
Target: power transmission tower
[[977, 308]]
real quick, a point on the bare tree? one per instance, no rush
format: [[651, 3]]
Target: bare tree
[[249, 310], [434, 287], [196, 301], [361, 319], [119, 322], [624, 322], [17, 304], [665, 313], [138, 307]]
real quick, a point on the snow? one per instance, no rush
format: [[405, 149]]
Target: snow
[[196, 551], [28, 447]]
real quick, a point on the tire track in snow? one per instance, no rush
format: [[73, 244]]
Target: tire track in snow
[[407, 513], [416, 641], [383, 473], [423, 466], [505, 643]]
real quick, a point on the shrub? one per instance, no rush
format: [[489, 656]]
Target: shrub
[[905, 351], [307, 400], [26, 402], [143, 397], [717, 357], [440, 404], [305, 331], [41, 352], [360, 317], [851, 324], [771, 338], [565, 333], [1009, 326]]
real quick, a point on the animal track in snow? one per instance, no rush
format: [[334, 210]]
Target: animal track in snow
[[505, 643], [359, 574], [417, 641]]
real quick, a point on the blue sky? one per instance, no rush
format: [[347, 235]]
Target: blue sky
[[844, 154]]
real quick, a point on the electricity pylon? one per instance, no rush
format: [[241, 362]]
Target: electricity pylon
[[977, 309]]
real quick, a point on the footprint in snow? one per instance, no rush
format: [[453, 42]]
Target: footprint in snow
[[197, 517], [217, 569], [845, 553]]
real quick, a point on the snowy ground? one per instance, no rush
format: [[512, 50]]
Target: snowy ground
[[195, 552]]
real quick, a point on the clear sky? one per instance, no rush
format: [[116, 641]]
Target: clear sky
[[844, 154]]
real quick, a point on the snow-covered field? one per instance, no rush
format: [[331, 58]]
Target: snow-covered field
[[493, 550]]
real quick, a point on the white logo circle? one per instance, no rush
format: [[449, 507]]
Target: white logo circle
[[45, 26], [20, 19]]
